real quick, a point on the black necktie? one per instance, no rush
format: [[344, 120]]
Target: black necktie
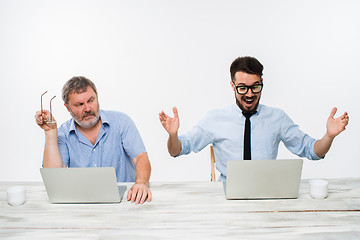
[[247, 145]]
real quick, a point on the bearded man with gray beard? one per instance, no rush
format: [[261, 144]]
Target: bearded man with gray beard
[[96, 138]]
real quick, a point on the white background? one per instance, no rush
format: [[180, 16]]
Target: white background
[[147, 56]]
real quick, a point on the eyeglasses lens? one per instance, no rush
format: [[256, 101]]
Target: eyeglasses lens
[[242, 90], [256, 88]]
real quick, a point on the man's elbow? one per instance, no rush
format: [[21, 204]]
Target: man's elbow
[[174, 154]]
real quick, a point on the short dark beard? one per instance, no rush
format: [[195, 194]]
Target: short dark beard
[[244, 109]]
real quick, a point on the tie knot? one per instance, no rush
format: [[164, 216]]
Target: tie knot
[[248, 114]]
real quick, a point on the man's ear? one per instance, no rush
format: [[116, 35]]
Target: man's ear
[[232, 85], [67, 107]]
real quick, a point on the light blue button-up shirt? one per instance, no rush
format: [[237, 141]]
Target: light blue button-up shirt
[[117, 143], [224, 129]]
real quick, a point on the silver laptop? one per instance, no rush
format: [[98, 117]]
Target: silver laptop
[[82, 185], [263, 179]]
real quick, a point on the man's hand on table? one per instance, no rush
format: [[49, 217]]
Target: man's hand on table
[[138, 193]]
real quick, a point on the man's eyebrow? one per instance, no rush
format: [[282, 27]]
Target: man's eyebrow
[[90, 98], [243, 84]]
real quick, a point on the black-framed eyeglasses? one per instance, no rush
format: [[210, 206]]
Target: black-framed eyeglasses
[[242, 90]]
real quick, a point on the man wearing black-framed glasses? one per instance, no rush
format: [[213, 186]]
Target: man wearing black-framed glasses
[[248, 130]]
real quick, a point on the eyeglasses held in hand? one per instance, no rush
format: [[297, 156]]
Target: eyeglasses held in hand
[[51, 118]]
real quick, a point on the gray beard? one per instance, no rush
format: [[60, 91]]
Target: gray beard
[[88, 124]]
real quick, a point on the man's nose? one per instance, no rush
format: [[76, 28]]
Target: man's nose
[[86, 107], [249, 93]]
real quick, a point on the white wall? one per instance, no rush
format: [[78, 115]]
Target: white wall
[[147, 56]]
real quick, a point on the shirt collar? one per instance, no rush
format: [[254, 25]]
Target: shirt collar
[[104, 117], [258, 109]]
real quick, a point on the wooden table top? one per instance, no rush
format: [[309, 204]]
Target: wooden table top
[[186, 210]]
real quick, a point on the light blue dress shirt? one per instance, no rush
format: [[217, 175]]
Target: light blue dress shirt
[[224, 129], [117, 143]]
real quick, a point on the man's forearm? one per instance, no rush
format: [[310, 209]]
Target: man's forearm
[[52, 157], [143, 169], [322, 146], [174, 145]]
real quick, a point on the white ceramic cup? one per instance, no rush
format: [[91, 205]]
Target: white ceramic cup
[[318, 188], [16, 195]]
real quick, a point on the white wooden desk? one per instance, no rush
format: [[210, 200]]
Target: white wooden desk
[[187, 210]]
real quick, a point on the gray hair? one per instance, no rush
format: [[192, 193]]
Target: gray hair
[[78, 85]]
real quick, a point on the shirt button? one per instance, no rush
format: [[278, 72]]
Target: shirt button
[[94, 150], [95, 165]]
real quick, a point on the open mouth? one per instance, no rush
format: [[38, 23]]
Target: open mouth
[[249, 101]]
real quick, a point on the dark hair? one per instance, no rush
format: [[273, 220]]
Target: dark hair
[[78, 85], [246, 64]]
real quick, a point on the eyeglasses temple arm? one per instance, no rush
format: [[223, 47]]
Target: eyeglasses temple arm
[[41, 101], [51, 109]]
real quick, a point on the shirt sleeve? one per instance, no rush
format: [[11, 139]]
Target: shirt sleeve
[[297, 141], [131, 140], [194, 141]]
